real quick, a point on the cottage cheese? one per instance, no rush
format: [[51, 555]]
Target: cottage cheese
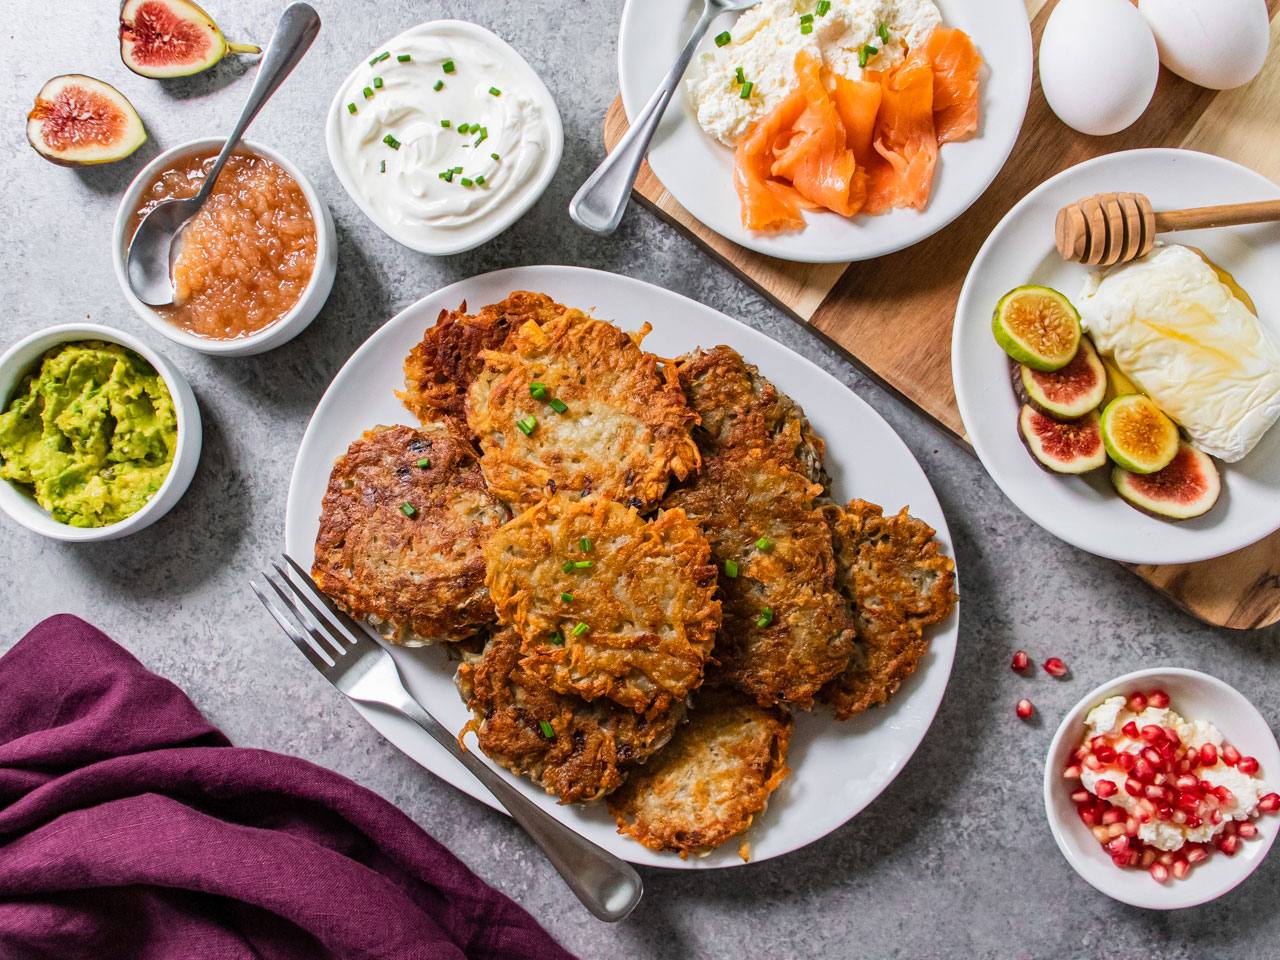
[[767, 38]]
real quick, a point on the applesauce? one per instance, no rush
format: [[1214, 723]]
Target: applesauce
[[247, 256]]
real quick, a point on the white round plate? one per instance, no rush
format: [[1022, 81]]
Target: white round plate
[[837, 768], [697, 170], [1087, 512]]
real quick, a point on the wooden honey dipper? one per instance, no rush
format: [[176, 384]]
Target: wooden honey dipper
[[1115, 227]]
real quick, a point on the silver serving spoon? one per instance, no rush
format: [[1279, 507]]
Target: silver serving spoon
[[600, 202], [156, 240]]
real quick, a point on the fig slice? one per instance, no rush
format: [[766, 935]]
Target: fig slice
[[171, 38], [1138, 435], [1037, 326], [1069, 392], [1070, 447], [1188, 487], [78, 121]]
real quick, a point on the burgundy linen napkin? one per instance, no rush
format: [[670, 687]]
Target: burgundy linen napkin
[[130, 827]]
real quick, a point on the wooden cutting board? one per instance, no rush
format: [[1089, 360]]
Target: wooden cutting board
[[893, 321]]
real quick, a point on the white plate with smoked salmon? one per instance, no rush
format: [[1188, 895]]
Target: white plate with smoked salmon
[[825, 131]]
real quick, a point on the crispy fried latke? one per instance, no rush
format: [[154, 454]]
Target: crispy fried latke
[[419, 578], [807, 636], [636, 623], [591, 746], [741, 409], [624, 429], [708, 784], [894, 573], [440, 369]]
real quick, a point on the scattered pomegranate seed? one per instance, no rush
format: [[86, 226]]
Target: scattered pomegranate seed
[[1107, 754], [1055, 667], [1021, 661], [1159, 872], [1111, 814], [1092, 762], [1230, 844], [1151, 733], [1269, 803], [1126, 761], [1025, 709], [1105, 788], [1081, 796], [1137, 703], [1188, 781], [1225, 795], [1131, 827], [1195, 853], [1072, 772], [1143, 770], [1248, 766], [1134, 788], [1181, 868], [1148, 857], [1230, 755], [1130, 730], [1246, 830], [1158, 699], [1102, 834], [1208, 754], [1118, 846]]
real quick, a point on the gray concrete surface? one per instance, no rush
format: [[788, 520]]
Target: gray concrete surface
[[953, 860]]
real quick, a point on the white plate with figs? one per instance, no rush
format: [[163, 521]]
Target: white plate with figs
[[837, 768]]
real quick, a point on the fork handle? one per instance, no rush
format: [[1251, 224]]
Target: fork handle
[[607, 886]]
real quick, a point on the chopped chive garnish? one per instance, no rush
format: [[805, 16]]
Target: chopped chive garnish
[[447, 66], [464, 128], [567, 566], [385, 55], [424, 462], [866, 53], [580, 629], [764, 543], [806, 18], [409, 510], [740, 75], [367, 93], [557, 638], [766, 617], [584, 543], [377, 83], [379, 58], [557, 405], [495, 91], [351, 108], [439, 85], [538, 390], [883, 30], [723, 39], [391, 142], [480, 181], [806, 28], [582, 564], [446, 124], [446, 175], [567, 597], [823, 7], [457, 170], [527, 424], [468, 182], [730, 568], [746, 91], [484, 135], [495, 156], [383, 167], [402, 58], [547, 730]]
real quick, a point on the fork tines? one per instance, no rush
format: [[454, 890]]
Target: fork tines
[[330, 640]]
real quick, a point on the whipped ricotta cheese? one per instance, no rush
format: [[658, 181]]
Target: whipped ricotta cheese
[[764, 43], [1107, 720], [444, 134]]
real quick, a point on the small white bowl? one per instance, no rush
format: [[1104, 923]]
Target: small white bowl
[[1196, 696], [21, 359], [284, 329]]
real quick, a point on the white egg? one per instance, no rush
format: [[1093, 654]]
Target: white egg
[[1098, 64], [1216, 43]]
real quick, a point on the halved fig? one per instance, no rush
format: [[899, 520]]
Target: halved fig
[[78, 121], [171, 38], [1067, 393], [1071, 447], [1188, 487], [1037, 326], [1138, 435]]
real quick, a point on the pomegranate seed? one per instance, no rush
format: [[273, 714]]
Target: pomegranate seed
[[1138, 703], [1152, 756], [1115, 829], [1167, 858], [1079, 753], [1225, 795], [1193, 820], [1154, 792], [1134, 858], [1088, 816], [1112, 814], [1195, 854], [1188, 802], [1270, 803], [1025, 709], [1148, 857], [1143, 770], [1130, 730], [1134, 788], [1092, 762], [1082, 796], [1246, 830], [1248, 766], [1055, 667], [1180, 816], [1230, 755], [1151, 733], [1164, 811], [1159, 872], [1181, 868], [1188, 781], [1158, 699], [1108, 755], [1208, 754], [1105, 788], [1131, 827], [1126, 761], [1119, 846], [1215, 818], [1230, 844], [1072, 772], [1102, 834], [1230, 828], [1020, 661]]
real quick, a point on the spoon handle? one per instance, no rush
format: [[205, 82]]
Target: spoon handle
[[1224, 215], [600, 202], [297, 27]]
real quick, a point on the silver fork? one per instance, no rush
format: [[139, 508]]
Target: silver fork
[[354, 663]]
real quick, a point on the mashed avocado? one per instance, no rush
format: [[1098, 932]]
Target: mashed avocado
[[93, 433]]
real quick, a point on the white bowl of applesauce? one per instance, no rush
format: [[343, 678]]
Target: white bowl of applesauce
[[257, 262]]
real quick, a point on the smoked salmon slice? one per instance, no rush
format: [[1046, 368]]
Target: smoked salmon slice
[[956, 62], [905, 137]]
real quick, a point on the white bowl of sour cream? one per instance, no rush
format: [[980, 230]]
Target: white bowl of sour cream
[[444, 136], [1206, 703]]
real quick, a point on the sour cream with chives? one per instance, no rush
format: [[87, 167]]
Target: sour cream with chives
[[452, 136]]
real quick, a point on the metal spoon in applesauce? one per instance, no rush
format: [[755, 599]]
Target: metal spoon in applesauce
[[156, 241]]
